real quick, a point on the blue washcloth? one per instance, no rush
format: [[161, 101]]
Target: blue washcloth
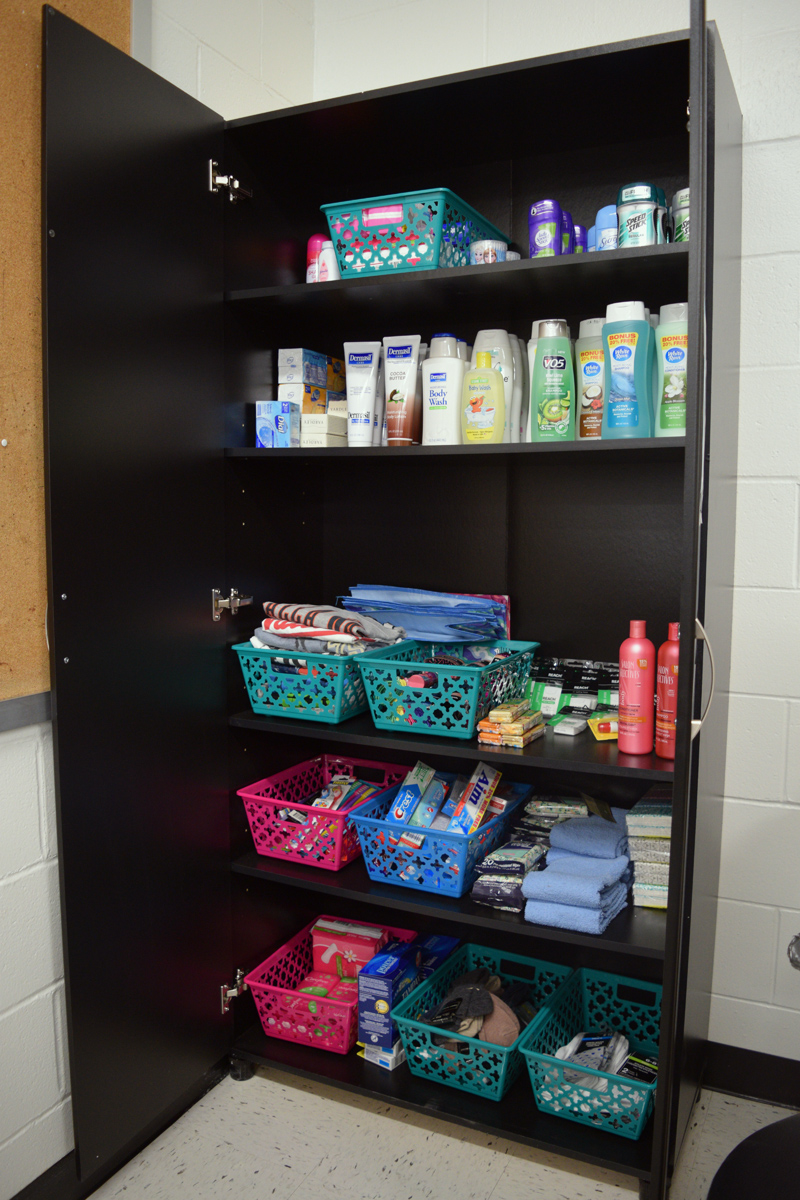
[[572, 916], [593, 836], [564, 887], [610, 869]]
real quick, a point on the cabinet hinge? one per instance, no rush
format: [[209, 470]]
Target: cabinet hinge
[[233, 603], [228, 993], [217, 181]]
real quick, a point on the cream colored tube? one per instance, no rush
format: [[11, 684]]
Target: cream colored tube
[[401, 356]]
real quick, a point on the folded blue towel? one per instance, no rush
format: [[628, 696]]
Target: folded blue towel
[[609, 870], [572, 916], [563, 887], [593, 836]]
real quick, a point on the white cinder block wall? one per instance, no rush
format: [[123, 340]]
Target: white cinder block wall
[[249, 56]]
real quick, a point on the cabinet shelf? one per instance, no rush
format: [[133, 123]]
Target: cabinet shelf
[[515, 1116], [632, 449], [639, 931], [548, 753]]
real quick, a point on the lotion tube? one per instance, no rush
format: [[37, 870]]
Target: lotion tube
[[361, 370], [401, 359]]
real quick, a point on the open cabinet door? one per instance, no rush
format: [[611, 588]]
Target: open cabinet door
[[134, 395]]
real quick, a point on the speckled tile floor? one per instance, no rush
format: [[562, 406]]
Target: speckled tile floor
[[276, 1137]]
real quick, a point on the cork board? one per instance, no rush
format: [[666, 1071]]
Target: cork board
[[24, 667]]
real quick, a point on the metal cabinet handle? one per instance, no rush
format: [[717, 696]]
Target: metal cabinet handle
[[702, 636], [793, 951]]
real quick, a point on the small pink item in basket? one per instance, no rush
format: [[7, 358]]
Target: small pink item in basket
[[318, 983], [344, 947]]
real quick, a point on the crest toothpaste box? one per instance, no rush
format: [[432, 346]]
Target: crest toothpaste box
[[410, 793]]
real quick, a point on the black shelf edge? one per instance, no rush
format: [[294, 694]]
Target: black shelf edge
[[641, 449], [640, 931], [514, 1117], [503, 275], [548, 753]]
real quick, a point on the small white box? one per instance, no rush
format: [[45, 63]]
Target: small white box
[[303, 366], [323, 423], [388, 1059], [337, 407], [309, 441]]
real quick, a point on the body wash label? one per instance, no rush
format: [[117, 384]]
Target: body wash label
[[672, 406], [623, 403]]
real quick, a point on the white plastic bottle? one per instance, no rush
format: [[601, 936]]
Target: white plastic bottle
[[672, 344], [442, 382], [516, 394], [328, 263], [531, 364], [496, 342]]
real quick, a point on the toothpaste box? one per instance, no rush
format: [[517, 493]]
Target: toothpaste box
[[344, 947], [302, 366], [434, 949], [432, 800], [410, 793], [475, 800], [336, 374], [311, 399], [388, 1059], [277, 424], [323, 423], [382, 983]]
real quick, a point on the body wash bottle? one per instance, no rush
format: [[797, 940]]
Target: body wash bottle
[[637, 685], [553, 387], [627, 334], [483, 403], [497, 343], [442, 383], [672, 342]]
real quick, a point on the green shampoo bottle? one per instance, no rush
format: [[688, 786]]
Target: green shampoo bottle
[[553, 385]]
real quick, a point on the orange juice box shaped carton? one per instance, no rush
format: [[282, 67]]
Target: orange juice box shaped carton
[[409, 794], [343, 947], [474, 800]]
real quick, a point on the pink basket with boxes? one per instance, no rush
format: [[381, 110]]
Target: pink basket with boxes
[[284, 827], [310, 1019]]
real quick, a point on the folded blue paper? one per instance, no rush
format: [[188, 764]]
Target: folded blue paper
[[431, 616], [575, 917], [592, 836]]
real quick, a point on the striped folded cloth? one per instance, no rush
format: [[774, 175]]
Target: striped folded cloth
[[332, 620]]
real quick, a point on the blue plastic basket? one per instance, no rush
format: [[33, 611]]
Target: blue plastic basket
[[597, 1002], [485, 1069], [408, 231], [461, 697], [444, 863], [330, 689]]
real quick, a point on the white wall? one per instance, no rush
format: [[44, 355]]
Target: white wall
[[35, 1121]]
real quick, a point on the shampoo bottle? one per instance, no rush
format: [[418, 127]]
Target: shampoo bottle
[[497, 343], [667, 692], [442, 382], [531, 363], [516, 401], [483, 403], [628, 364], [591, 372], [637, 685], [672, 342], [553, 387]]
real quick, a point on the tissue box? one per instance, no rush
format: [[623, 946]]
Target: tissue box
[[277, 424], [302, 366], [382, 983], [336, 374]]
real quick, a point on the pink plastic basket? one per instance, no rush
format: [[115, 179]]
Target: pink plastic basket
[[296, 1016], [328, 839]]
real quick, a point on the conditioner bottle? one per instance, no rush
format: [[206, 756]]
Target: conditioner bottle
[[667, 692]]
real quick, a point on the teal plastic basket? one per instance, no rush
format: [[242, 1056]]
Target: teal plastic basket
[[461, 696], [482, 1068], [444, 863], [409, 231], [596, 1002], [328, 688]]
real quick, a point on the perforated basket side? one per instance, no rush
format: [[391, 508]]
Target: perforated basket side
[[330, 690]]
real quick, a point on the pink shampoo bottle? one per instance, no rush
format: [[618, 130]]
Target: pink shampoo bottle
[[667, 692], [637, 686]]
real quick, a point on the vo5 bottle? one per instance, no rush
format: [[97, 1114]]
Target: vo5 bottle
[[637, 685], [667, 692]]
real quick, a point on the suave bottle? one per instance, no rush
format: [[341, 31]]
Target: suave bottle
[[553, 386], [483, 403], [628, 360], [590, 370], [672, 338]]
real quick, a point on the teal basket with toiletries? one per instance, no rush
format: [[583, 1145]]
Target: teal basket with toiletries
[[411, 686], [603, 1002], [468, 1063], [427, 860], [409, 231], [317, 687]]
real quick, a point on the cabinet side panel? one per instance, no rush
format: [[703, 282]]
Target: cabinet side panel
[[134, 408]]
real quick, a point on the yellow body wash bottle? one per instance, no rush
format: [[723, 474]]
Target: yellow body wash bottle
[[483, 403]]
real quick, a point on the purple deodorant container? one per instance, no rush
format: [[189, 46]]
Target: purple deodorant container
[[567, 233], [580, 240], [544, 228]]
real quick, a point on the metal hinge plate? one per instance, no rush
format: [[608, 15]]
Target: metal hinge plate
[[233, 603], [228, 993], [216, 181]]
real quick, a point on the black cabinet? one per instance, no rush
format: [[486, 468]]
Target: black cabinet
[[165, 305]]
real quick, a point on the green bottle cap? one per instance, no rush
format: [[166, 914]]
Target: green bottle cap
[[634, 193]]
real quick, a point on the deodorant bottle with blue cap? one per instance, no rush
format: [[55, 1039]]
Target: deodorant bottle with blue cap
[[627, 344], [606, 228]]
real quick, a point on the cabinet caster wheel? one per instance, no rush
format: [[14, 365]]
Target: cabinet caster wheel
[[241, 1070]]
